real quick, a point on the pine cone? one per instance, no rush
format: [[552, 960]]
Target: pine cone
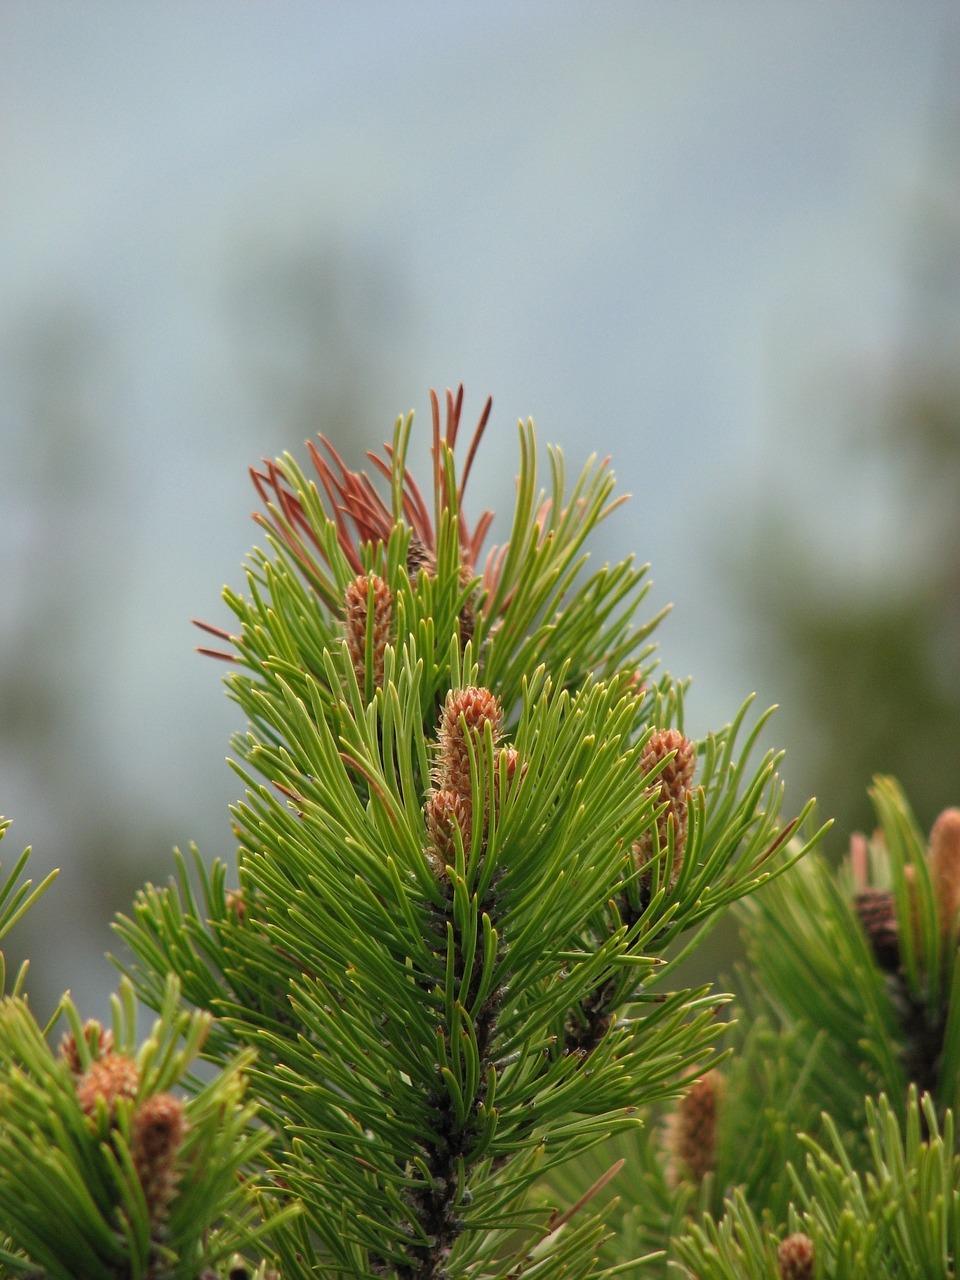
[[671, 787], [419, 557], [361, 592], [157, 1133], [99, 1041], [111, 1077], [477, 708], [795, 1257], [692, 1130], [444, 811]]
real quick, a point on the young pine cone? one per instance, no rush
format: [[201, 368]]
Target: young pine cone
[[420, 557], [463, 720], [157, 1133], [466, 713], [671, 788], [691, 1136], [99, 1041], [110, 1077], [362, 593], [445, 812], [795, 1257]]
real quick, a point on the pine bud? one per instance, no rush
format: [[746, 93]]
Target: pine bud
[[476, 708], [692, 1130], [877, 913], [99, 1041], [359, 595], [157, 1133], [511, 762], [444, 812], [795, 1257], [111, 1077], [671, 787], [944, 855], [419, 557]]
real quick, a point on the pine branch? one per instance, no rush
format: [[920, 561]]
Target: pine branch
[[472, 827], [901, 1220], [105, 1171]]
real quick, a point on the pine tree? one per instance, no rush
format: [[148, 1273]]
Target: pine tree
[[437, 992]]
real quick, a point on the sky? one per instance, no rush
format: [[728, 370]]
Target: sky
[[680, 235]]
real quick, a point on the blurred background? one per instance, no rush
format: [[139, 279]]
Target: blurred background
[[719, 242]]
